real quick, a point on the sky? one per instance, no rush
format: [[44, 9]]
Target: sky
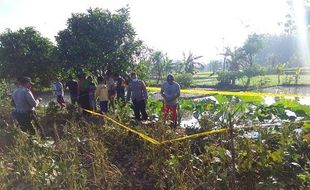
[[202, 27]]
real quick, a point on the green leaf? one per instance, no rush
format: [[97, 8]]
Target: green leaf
[[306, 127], [276, 156], [221, 99], [252, 99]]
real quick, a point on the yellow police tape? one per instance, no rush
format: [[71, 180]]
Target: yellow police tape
[[153, 141], [230, 93], [196, 135], [147, 138]]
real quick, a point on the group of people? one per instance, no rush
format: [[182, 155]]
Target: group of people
[[86, 93]]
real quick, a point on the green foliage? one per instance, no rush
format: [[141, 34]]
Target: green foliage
[[3, 88], [214, 66], [280, 71], [52, 108], [142, 69], [184, 79], [190, 63], [270, 151], [98, 41], [229, 77], [161, 65], [123, 111], [26, 53]]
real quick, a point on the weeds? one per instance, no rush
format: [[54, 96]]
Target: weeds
[[91, 154]]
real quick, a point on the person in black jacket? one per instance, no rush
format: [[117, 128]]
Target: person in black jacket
[[72, 85]]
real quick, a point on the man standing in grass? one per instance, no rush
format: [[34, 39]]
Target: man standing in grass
[[73, 89], [59, 92], [101, 93], [120, 88], [25, 105], [138, 94], [170, 91]]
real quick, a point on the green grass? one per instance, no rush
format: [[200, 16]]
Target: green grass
[[273, 80], [204, 78], [211, 82], [97, 154], [206, 74]]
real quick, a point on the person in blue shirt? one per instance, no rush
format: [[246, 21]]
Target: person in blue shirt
[[138, 94], [59, 92], [170, 91]]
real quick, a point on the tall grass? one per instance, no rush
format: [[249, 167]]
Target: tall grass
[[96, 154]]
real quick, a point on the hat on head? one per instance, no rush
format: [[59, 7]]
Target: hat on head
[[24, 80]]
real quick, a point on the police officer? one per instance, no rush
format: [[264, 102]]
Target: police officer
[[25, 105]]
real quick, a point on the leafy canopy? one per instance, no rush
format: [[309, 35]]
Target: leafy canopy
[[98, 41], [26, 52]]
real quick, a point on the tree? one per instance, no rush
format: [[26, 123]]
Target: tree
[[280, 70], [290, 27], [190, 63], [161, 65], [214, 65], [26, 52], [278, 49], [98, 41], [157, 62], [143, 64], [249, 50], [232, 64]]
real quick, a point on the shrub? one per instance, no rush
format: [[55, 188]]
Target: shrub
[[184, 79], [229, 77]]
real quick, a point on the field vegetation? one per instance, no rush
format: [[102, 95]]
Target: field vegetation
[[265, 147]]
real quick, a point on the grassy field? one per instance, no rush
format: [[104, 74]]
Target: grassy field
[[206, 78]]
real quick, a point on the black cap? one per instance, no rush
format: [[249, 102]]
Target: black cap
[[24, 80]]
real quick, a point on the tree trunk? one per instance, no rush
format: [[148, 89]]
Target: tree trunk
[[248, 81]]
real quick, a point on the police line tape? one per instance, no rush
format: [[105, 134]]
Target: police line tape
[[230, 93], [153, 141], [145, 137]]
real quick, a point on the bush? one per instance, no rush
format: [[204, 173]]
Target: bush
[[228, 77], [185, 79]]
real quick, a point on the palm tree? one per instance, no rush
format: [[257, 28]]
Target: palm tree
[[190, 63], [280, 71]]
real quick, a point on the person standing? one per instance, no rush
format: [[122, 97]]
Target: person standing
[[101, 93], [170, 91], [24, 107], [59, 92], [120, 88], [83, 96], [111, 91], [138, 94], [91, 93], [72, 85]]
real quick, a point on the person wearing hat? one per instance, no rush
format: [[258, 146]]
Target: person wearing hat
[[170, 91], [25, 104]]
